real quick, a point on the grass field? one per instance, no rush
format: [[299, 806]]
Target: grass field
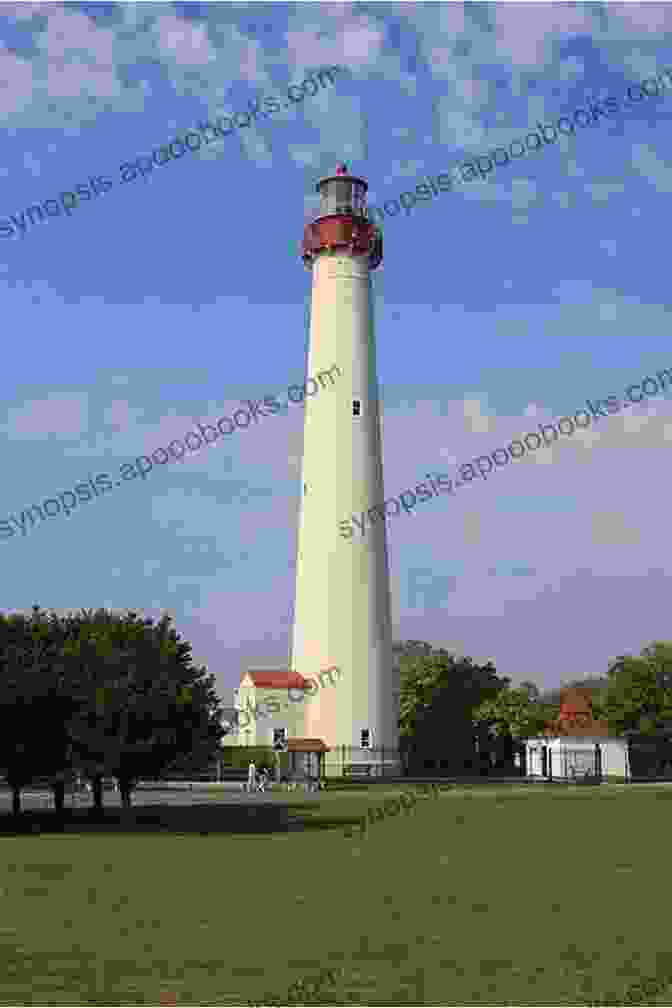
[[490, 895]]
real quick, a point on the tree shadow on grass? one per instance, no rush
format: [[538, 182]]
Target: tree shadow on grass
[[320, 815], [308, 817], [193, 818]]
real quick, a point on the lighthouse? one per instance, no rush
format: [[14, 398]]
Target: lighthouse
[[342, 603]]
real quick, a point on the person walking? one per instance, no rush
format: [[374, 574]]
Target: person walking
[[251, 777]]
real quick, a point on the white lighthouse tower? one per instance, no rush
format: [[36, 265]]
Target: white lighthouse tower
[[342, 605]]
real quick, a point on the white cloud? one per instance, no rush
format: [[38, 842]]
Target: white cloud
[[42, 419], [16, 81], [183, 41], [120, 415], [79, 55], [642, 17], [526, 32], [353, 41]]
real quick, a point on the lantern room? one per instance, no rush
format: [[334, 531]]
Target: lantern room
[[342, 194], [342, 222]]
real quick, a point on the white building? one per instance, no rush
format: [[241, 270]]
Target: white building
[[577, 744], [570, 757], [269, 708], [272, 701], [342, 606]]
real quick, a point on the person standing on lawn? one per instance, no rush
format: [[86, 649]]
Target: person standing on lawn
[[251, 777]]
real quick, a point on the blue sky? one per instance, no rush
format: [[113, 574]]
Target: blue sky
[[500, 305]]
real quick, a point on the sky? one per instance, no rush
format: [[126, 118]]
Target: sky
[[167, 299]]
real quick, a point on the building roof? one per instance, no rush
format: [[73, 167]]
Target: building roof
[[576, 716], [275, 678], [578, 729]]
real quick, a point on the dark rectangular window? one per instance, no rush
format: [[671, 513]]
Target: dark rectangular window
[[365, 738], [356, 407]]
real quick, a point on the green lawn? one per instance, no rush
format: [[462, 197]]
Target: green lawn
[[493, 895]]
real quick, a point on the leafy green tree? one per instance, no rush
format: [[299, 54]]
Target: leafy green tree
[[18, 721], [502, 721], [142, 703], [512, 712], [100, 694], [53, 702], [438, 694], [34, 706], [596, 684], [639, 694]]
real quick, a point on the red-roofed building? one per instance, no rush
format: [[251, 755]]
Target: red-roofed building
[[270, 701], [576, 743], [576, 716], [273, 679]]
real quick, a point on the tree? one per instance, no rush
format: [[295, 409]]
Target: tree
[[33, 705], [513, 712], [639, 693], [596, 684], [142, 704], [438, 694], [18, 720], [102, 694], [501, 722], [52, 702]]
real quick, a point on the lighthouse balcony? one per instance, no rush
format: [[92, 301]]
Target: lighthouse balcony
[[356, 235]]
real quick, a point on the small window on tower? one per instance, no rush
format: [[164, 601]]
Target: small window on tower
[[365, 738], [356, 407]]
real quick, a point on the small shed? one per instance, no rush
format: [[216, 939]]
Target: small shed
[[576, 744], [306, 758]]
